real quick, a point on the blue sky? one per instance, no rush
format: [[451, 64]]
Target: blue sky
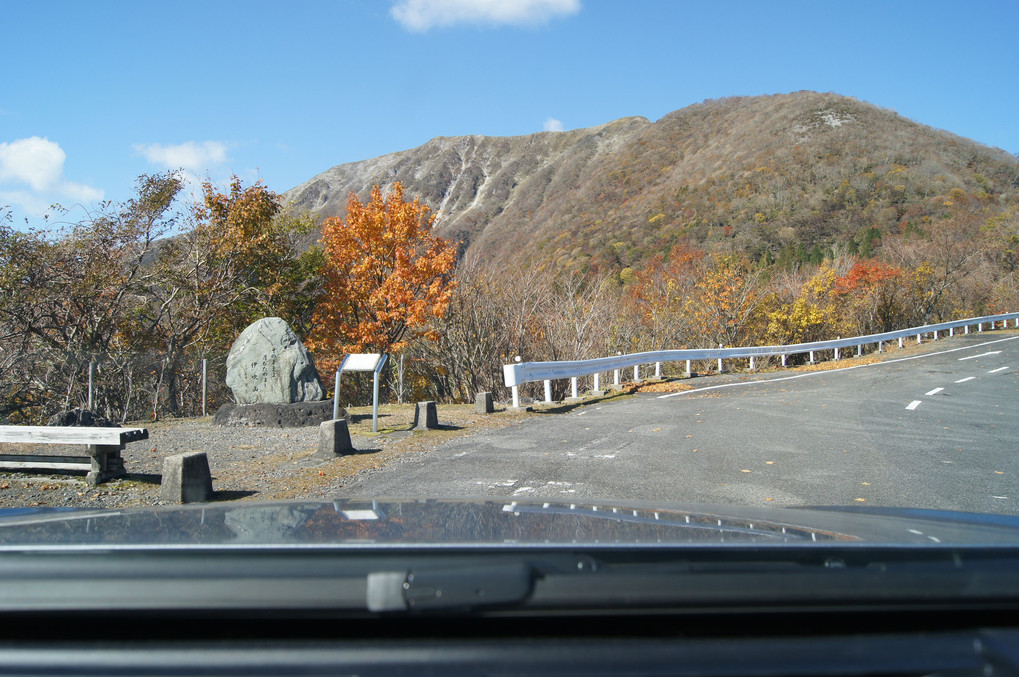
[[93, 94]]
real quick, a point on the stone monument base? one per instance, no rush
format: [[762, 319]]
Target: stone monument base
[[296, 415]]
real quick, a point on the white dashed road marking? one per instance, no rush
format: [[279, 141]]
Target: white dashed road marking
[[933, 392], [973, 357], [913, 405], [968, 378], [995, 371]]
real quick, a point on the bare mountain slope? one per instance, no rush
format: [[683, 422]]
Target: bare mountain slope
[[471, 180], [764, 175]]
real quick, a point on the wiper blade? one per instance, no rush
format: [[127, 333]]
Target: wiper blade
[[450, 588]]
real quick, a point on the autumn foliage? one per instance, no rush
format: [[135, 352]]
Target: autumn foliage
[[386, 275]]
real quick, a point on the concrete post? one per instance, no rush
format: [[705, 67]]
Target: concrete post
[[334, 438], [425, 416], [483, 403], [186, 478]]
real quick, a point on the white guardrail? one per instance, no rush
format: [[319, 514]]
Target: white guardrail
[[528, 372]]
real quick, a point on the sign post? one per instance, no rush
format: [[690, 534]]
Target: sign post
[[372, 362]]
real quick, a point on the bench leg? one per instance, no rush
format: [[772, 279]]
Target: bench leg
[[107, 463]]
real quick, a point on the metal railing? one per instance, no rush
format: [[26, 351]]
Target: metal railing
[[529, 372]]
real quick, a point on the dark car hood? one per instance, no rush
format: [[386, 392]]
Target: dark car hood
[[490, 522]]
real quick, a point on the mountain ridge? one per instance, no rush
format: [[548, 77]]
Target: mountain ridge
[[758, 174]]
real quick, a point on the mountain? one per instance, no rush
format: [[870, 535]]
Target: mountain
[[766, 175]]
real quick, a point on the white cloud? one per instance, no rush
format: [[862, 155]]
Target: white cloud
[[553, 125], [38, 163], [191, 156], [421, 15]]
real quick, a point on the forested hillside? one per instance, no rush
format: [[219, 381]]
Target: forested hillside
[[783, 178]]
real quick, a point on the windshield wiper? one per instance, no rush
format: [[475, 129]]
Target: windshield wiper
[[455, 588]]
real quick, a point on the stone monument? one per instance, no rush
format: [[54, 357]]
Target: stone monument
[[273, 379], [269, 364]]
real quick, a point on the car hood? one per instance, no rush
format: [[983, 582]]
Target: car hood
[[402, 523]]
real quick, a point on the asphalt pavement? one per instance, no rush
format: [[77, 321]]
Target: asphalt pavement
[[938, 430]]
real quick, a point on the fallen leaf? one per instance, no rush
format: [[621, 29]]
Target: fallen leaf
[[695, 451], [656, 430], [769, 499], [866, 484], [996, 472], [769, 463], [860, 500], [744, 470]]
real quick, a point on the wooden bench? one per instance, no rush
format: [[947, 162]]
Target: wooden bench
[[103, 446]]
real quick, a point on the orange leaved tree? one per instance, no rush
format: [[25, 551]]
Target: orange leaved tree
[[386, 273]]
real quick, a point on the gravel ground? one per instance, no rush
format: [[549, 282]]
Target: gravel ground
[[246, 463]]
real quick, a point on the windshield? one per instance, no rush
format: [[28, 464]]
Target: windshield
[[551, 274]]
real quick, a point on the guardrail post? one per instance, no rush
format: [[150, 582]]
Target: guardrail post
[[812, 357], [935, 334], [967, 329], [616, 377], [548, 391], [516, 397], [636, 373], [880, 347], [573, 387], [900, 341], [837, 338], [597, 382], [688, 372], [859, 350], [783, 359], [980, 327], [751, 363], [658, 369], [918, 339], [720, 346], [951, 332]]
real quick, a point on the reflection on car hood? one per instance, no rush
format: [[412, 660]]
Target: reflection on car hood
[[494, 522]]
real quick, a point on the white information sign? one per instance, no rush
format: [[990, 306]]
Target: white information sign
[[361, 362]]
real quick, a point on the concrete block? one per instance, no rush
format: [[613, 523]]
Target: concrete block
[[483, 403], [425, 416], [334, 439], [186, 478]]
